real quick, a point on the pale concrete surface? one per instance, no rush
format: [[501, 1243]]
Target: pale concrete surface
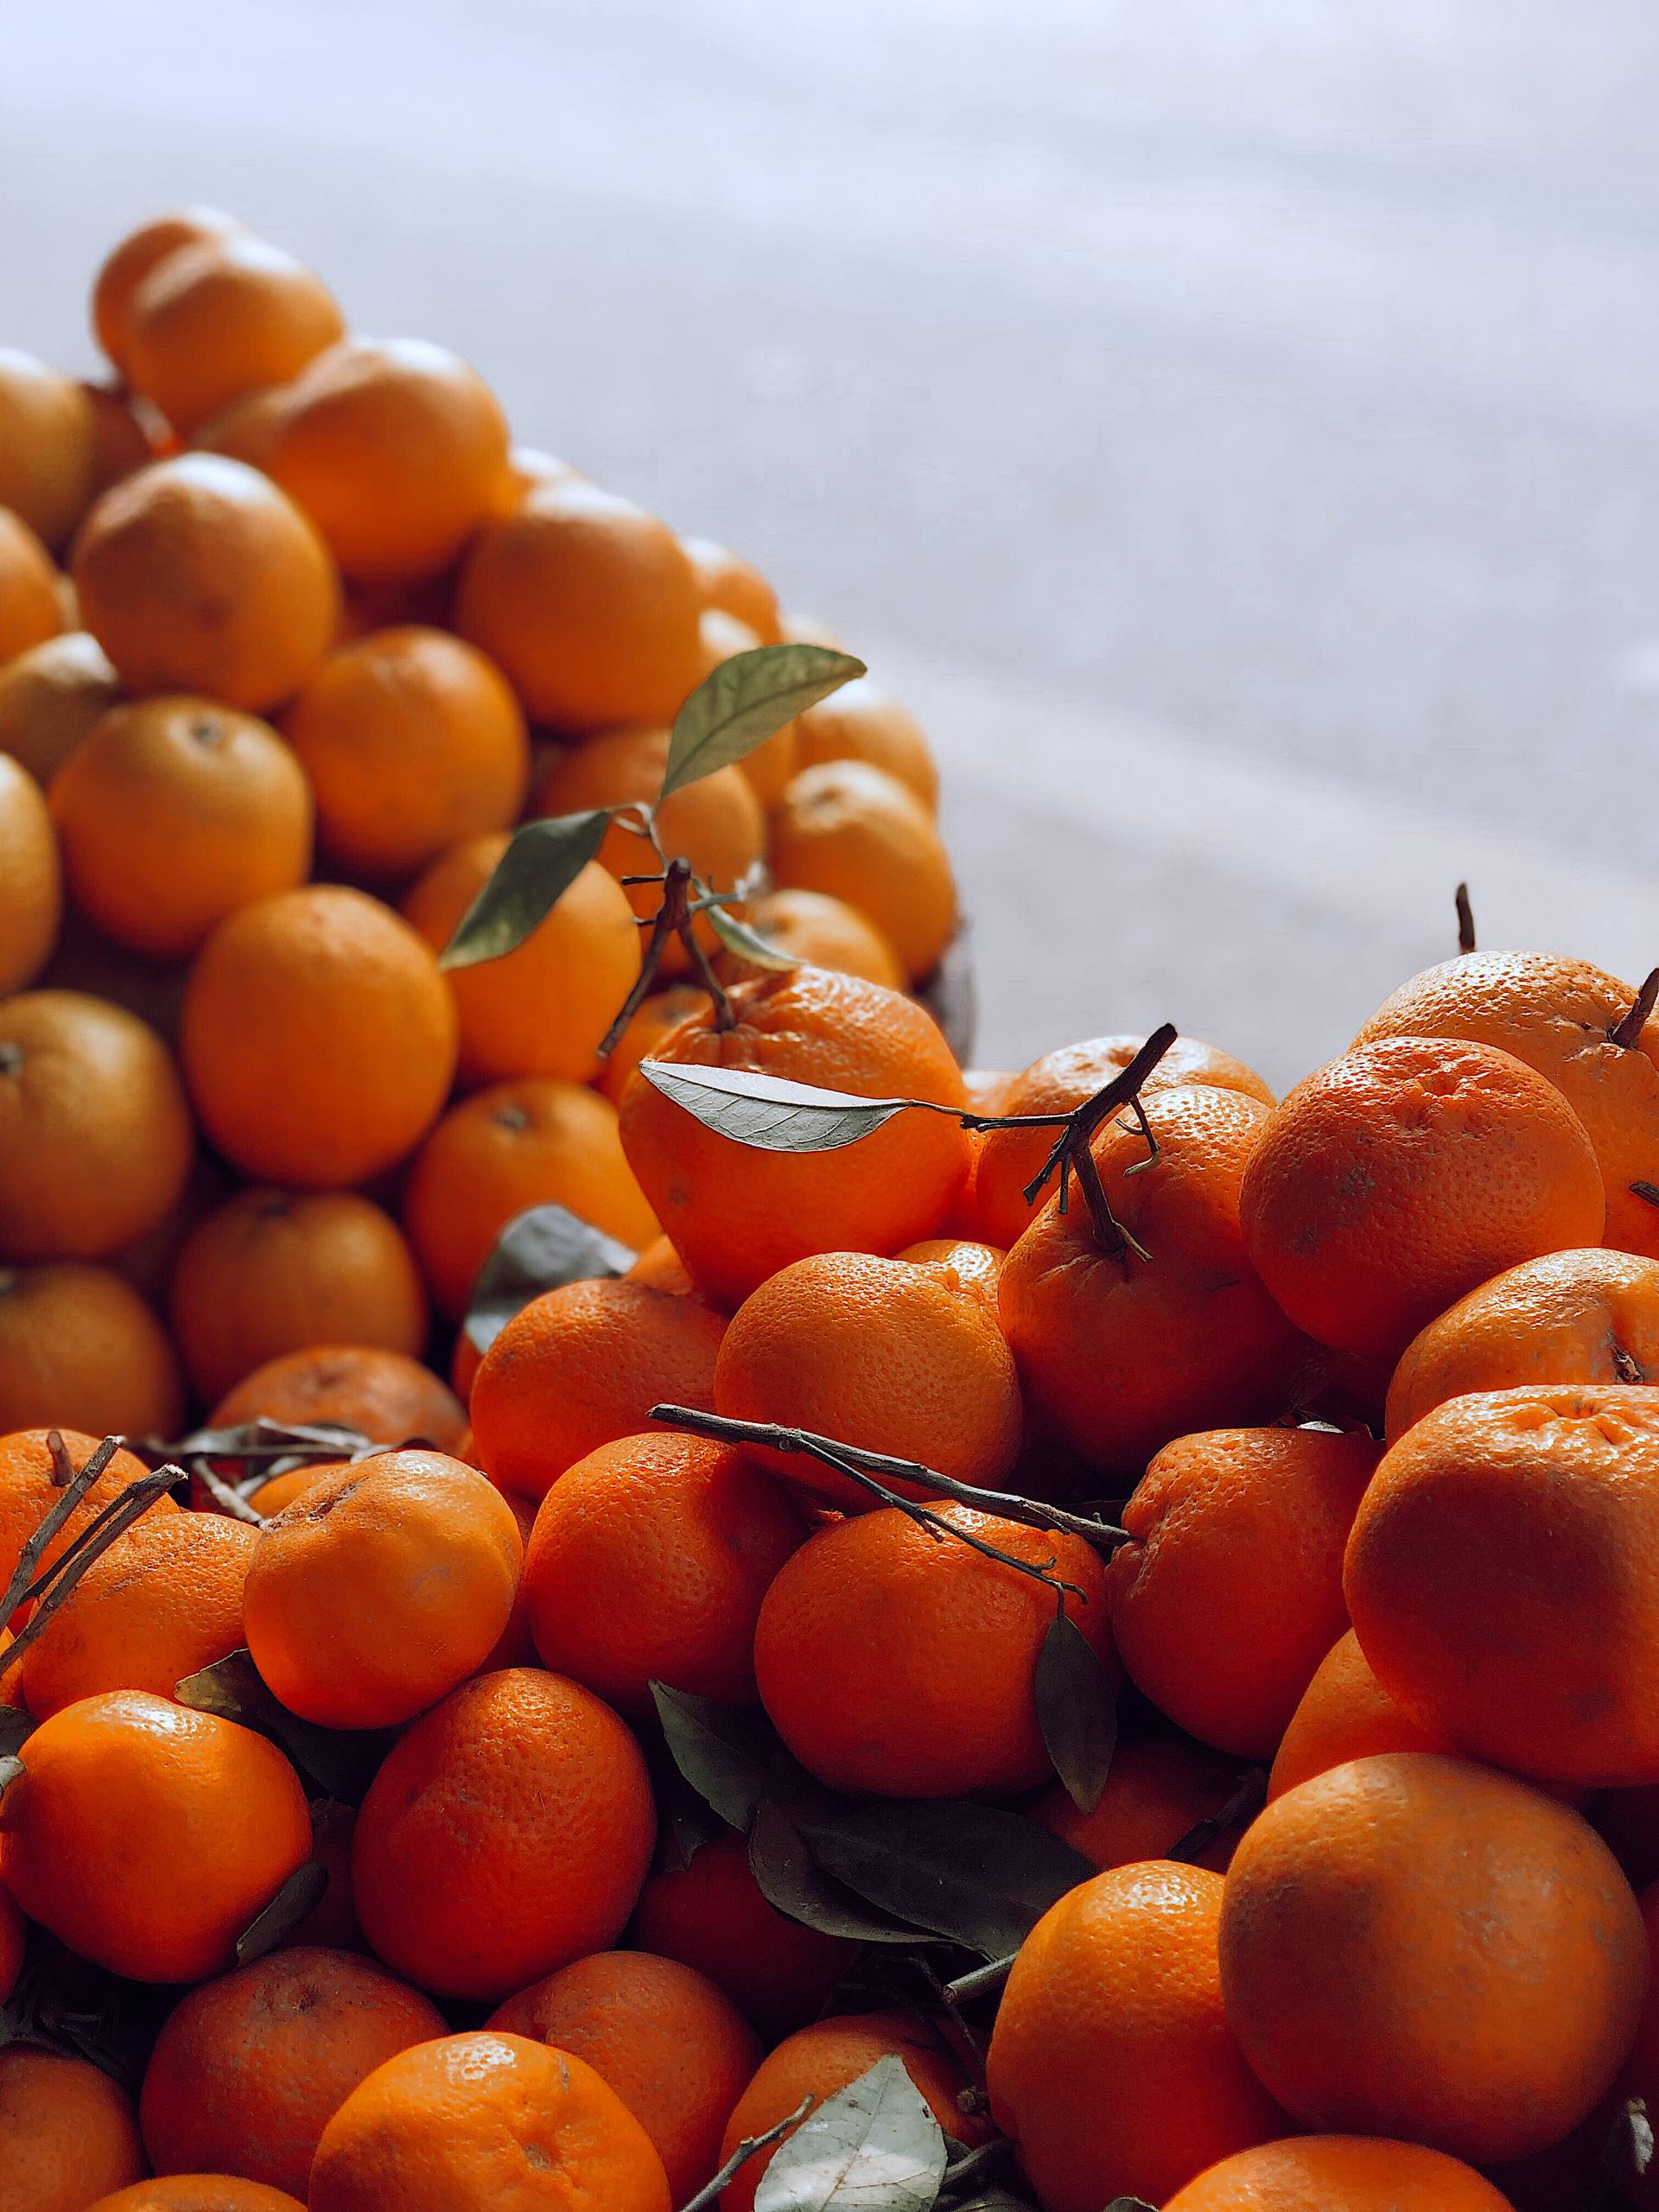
[[1232, 427]]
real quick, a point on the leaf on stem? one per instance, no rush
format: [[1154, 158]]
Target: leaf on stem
[[875, 2146], [341, 1761], [1075, 1711], [542, 1249], [302, 1890], [767, 1111], [749, 944], [786, 1876], [543, 860], [746, 700], [723, 1752]]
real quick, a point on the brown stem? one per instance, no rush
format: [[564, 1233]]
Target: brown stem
[[53, 1587], [1647, 1191], [228, 1500], [1465, 920], [72, 1492], [710, 2193], [1070, 1149], [968, 1985], [1629, 1031]]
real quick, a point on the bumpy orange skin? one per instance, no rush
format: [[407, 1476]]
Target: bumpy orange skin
[[250, 2069], [199, 2193], [1229, 1593], [33, 876], [486, 2123], [581, 1366], [1111, 2064], [1195, 1340], [508, 1832], [878, 1353], [1570, 1317], [1345, 1713], [1361, 2173], [385, 1396], [896, 1664], [1558, 1015], [79, 1344], [380, 1588], [1396, 1179], [68, 2135], [736, 1214], [1159, 1789], [220, 317], [856, 832], [147, 1836], [1500, 1579], [649, 1562], [28, 1490], [818, 2061], [676, 2049]]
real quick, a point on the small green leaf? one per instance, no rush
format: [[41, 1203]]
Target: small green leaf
[[749, 944], [875, 2146], [16, 1727], [724, 1754], [1075, 1711], [786, 1876], [540, 1249], [767, 1111], [542, 862], [746, 700], [303, 1888]]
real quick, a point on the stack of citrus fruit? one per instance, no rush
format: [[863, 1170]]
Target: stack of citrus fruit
[[1079, 1639]]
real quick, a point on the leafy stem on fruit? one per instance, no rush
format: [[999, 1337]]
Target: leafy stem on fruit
[[1071, 1155], [1465, 920], [673, 919], [1628, 1032], [48, 1591], [980, 1981], [710, 2193]]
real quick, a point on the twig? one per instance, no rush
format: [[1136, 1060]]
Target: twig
[[54, 1586], [967, 1986], [1071, 1148], [1629, 1031], [29, 1558], [227, 1499], [710, 2194], [1465, 920]]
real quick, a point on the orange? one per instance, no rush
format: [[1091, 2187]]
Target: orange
[[385, 1396], [132, 260], [709, 1914], [50, 697], [1196, 1340], [1384, 1976], [269, 1272], [380, 1588], [972, 1269], [95, 1139], [174, 812], [734, 586], [1558, 1015], [350, 1061], [590, 606], [1158, 1790], [877, 1353], [528, 466], [245, 427], [862, 722], [659, 1267], [1587, 1317], [48, 446], [1229, 1592], [198, 574], [676, 2050], [251, 2068], [68, 2134], [272, 1497], [1360, 2173], [1394, 1179], [224, 316], [147, 1836], [30, 870], [658, 1013], [818, 2061], [649, 1561], [398, 450], [820, 933], [198, 2193], [896, 1664], [1500, 1577], [530, 1143], [163, 1601], [30, 610], [853, 830], [1345, 1713], [28, 1489], [126, 433], [581, 1366], [543, 1007], [486, 2123], [507, 1832], [411, 740], [1111, 2064], [1009, 1158], [737, 1214]]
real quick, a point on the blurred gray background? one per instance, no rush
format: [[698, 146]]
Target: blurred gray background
[[1231, 424]]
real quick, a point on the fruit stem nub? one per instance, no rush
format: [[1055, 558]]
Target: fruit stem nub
[[1629, 1031]]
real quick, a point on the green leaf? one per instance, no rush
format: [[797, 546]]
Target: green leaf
[[875, 2146], [786, 1876], [1075, 1711], [302, 1890], [745, 701], [976, 1873], [341, 1761], [542, 862], [724, 1754], [542, 1249], [767, 1111], [16, 1727], [749, 944]]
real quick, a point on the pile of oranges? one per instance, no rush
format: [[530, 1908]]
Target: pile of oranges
[[1083, 1639]]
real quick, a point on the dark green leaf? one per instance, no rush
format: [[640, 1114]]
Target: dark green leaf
[[952, 995], [1075, 1711], [874, 2145], [1130, 2204], [767, 1111], [540, 1249], [998, 2200], [16, 1728], [542, 862], [342, 1762], [303, 1888], [737, 937], [745, 701], [722, 1753], [789, 1881], [975, 1873]]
